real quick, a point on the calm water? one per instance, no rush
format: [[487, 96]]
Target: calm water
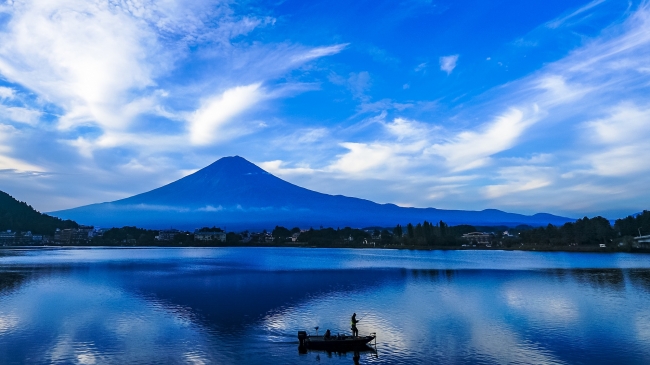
[[245, 306]]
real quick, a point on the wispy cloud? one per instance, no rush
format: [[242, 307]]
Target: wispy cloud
[[207, 123], [318, 53], [472, 149], [448, 63], [7, 92], [519, 179], [7, 161], [421, 67], [562, 20], [620, 142]]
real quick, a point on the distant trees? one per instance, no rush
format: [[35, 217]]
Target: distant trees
[[428, 234], [233, 238], [397, 231], [410, 232], [20, 217], [281, 233], [129, 236], [634, 225], [588, 231], [213, 229], [335, 237]]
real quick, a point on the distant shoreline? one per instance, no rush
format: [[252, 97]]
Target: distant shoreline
[[575, 249]]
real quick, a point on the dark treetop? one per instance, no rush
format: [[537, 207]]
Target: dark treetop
[[18, 216]]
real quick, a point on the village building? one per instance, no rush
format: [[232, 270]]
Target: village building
[[7, 237], [210, 236], [167, 235], [642, 241], [479, 237]]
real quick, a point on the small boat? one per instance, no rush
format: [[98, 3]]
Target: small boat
[[334, 343]]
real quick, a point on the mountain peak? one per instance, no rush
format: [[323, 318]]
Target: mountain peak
[[233, 165]]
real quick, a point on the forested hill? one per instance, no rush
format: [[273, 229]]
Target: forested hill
[[18, 216]]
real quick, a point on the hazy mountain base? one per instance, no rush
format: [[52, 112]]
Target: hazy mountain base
[[116, 215]]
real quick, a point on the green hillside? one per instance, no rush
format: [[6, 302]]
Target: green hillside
[[18, 216]]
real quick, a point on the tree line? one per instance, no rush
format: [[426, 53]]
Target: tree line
[[586, 231], [419, 234], [428, 234]]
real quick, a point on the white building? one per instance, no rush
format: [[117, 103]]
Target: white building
[[642, 241], [210, 236], [478, 237]]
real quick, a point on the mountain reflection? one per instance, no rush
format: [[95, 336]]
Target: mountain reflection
[[235, 300]]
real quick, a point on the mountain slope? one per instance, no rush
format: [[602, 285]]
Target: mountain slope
[[235, 193], [18, 216]]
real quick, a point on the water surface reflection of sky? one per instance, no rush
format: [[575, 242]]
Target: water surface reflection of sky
[[224, 306]]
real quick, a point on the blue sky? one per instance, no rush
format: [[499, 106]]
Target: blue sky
[[535, 106]]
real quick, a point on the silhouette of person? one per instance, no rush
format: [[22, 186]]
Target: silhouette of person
[[328, 334], [353, 325]]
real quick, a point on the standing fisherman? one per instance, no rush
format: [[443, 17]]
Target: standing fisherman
[[353, 325]]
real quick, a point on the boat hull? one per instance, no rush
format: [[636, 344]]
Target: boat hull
[[337, 343]]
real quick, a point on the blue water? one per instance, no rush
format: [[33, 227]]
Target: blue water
[[245, 306]]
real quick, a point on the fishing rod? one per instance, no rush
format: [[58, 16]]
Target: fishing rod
[[363, 316]]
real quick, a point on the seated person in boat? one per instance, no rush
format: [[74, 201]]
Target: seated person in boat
[[328, 335]]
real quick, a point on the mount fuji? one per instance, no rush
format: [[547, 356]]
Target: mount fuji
[[237, 194]]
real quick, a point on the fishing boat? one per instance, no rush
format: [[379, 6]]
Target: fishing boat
[[334, 343]]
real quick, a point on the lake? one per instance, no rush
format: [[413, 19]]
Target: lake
[[246, 305]]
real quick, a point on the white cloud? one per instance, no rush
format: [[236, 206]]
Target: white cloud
[[562, 20], [382, 105], [207, 123], [627, 124], [83, 56], [558, 91], [378, 157], [405, 129], [620, 142], [535, 159], [19, 114], [359, 83], [519, 179], [277, 167], [7, 162], [448, 63], [210, 208], [363, 157], [7, 93], [318, 53], [308, 136], [421, 67], [472, 149]]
